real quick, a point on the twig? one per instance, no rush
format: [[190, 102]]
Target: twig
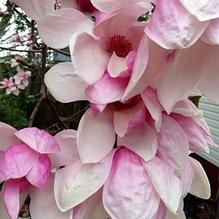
[[56, 113], [60, 51], [18, 50]]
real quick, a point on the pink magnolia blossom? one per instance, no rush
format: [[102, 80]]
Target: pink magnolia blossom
[[120, 61], [9, 86], [22, 79], [27, 157], [124, 179]]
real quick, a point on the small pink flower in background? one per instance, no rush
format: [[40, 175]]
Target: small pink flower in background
[[27, 157], [21, 79], [16, 38], [9, 86]]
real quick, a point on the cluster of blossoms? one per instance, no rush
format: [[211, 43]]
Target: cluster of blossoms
[[18, 82], [136, 64]]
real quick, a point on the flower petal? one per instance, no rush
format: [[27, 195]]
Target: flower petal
[[56, 29], [113, 5], [200, 186], [129, 186], [209, 82], [172, 26], [153, 105], [77, 182], [40, 172], [165, 182], [67, 140], [195, 134], [128, 118], [139, 66], [44, 199], [142, 140], [38, 140], [95, 133], [203, 10], [182, 76], [3, 211], [7, 136], [36, 9], [90, 61], [92, 208], [117, 65], [11, 193], [173, 143], [64, 85], [211, 35], [106, 90], [17, 162]]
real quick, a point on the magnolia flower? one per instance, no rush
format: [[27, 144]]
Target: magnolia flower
[[27, 157], [120, 61], [21, 79], [125, 179], [9, 86]]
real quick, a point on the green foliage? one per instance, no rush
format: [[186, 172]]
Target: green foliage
[[11, 111]]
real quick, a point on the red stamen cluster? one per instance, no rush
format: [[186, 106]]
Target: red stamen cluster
[[120, 45]]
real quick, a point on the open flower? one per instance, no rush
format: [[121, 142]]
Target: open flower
[[27, 157], [120, 61], [124, 179], [9, 86]]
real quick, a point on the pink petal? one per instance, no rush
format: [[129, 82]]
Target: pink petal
[[11, 192], [152, 104], [43, 203], [7, 136], [117, 65], [67, 140], [203, 10], [90, 61], [128, 193], [38, 140], [195, 134], [209, 82], [142, 141], [106, 90], [95, 134], [129, 118], [172, 26], [165, 182], [161, 212], [182, 76], [3, 211], [64, 85], [113, 5], [36, 9], [186, 108], [173, 143], [17, 162], [77, 182], [57, 28], [39, 174], [156, 54], [200, 186], [139, 66], [186, 178], [92, 208], [211, 35]]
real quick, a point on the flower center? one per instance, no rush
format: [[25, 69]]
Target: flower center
[[120, 45]]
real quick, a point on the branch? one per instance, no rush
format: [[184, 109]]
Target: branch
[[61, 51], [18, 50]]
